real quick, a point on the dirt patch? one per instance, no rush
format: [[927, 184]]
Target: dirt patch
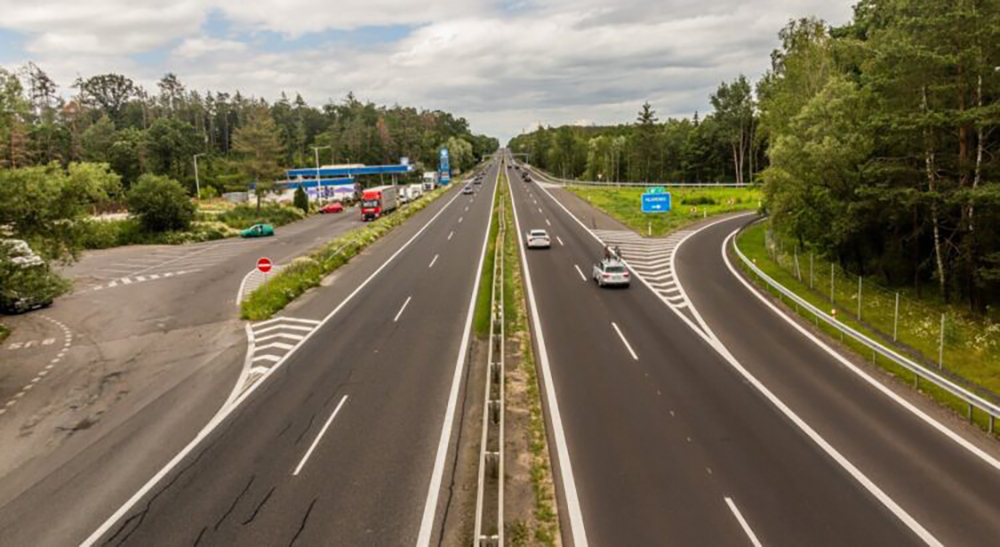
[[459, 521]]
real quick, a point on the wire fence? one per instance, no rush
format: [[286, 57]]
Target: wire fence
[[962, 347]]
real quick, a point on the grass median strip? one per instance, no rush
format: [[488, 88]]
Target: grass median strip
[[979, 376], [689, 205], [308, 271]]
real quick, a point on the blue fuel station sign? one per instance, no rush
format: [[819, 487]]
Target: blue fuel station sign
[[444, 170]]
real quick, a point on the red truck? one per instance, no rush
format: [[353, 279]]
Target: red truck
[[378, 201]]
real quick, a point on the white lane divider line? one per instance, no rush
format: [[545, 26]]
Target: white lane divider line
[[743, 523], [451, 233], [400, 312], [318, 437], [624, 341], [460, 219], [435, 259], [547, 222], [539, 209], [579, 271], [559, 239], [141, 279]]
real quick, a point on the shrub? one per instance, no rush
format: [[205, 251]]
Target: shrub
[[161, 204], [244, 216], [301, 200], [698, 200]]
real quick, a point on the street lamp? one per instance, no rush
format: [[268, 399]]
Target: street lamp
[[316, 150], [197, 183]]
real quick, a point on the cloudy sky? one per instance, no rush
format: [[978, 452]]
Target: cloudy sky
[[505, 65]]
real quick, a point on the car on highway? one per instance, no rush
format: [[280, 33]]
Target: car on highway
[[537, 239], [258, 230], [467, 189], [526, 177], [335, 207], [611, 272]]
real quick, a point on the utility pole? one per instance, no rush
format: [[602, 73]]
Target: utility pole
[[316, 150], [197, 183]]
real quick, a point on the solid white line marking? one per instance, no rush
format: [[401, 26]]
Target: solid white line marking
[[435, 259], [400, 312], [579, 271], [279, 345], [578, 531], [559, 239], [320, 436], [624, 341], [295, 337], [277, 327], [961, 441], [450, 234], [271, 358], [742, 521], [437, 475]]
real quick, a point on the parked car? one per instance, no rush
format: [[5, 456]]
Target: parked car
[[335, 207], [26, 282], [258, 230], [611, 272], [537, 239]]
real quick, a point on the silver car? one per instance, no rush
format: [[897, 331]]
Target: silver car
[[537, 239], [611, 272]]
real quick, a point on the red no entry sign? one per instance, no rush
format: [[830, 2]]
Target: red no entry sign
[[264, 265]]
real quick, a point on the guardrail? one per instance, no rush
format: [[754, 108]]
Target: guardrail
[[491, 445], [919, 371], [556, 180]]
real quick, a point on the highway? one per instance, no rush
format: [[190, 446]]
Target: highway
[[345, 439], [670, 443]]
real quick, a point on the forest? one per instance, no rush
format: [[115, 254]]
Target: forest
[[111, 119], [876, 144]]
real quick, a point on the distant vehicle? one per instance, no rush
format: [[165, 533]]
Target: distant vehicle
[[258, 230], [414, 191], [467, 189], [477, 180], [611, 272], [334, 207], [538, 239], [26, 283], [378, 201], [526, 177]]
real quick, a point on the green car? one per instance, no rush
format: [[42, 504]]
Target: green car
[[258, 230]]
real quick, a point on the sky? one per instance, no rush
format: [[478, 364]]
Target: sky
[[504, 65]]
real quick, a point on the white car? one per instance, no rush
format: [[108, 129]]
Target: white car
[[537, 239], [611, 272]]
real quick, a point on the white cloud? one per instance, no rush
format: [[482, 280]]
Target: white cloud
[[193, 48], [503, 67]]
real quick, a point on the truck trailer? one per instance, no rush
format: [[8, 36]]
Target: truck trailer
[[377, 201]]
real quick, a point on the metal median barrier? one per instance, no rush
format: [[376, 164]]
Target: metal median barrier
[[549, 178], [919, 371]]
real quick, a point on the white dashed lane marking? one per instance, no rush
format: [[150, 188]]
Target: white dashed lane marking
[[68, 341], [141, 279]]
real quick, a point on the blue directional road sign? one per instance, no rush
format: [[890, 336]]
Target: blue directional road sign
[[656, 200]]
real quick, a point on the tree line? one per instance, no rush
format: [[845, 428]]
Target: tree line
[[876, 143], [109, 118], [721, 146]]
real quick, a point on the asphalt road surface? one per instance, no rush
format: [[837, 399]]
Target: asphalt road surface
[[341, 442], [669, 443]]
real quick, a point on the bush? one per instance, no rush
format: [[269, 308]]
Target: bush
[[301, 200], [161, 204], [698, 200], [245, 216]]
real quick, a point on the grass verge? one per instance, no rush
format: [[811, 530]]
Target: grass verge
[[689, 205], [4, 333], [105, 234], [753, 243], [543, 527], [481, 317], [307, 271]]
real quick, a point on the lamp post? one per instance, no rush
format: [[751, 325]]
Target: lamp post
[[316, 150], [197, 183]]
